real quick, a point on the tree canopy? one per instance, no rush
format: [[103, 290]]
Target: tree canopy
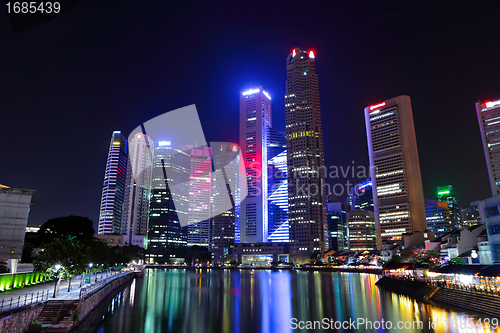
[[75, 226]]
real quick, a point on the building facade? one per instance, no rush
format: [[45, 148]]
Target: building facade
[[255, 121], [361, 196], [338, 234], [471, 214], [438, 217], [488, 115], [395, 169], [137, 190], [362, 232], [491, 218], [200, 189], [15, 205], [113, 189], [226, 182], [166, 234], [447, 194], [307, 216]]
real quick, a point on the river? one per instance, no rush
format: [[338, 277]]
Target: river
[[265, 301]]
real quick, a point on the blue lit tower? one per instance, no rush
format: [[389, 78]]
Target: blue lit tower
[[438, 217], [255, 121], [306, 173], [447, 194], [110, 216], [171, 168], [361, 196]]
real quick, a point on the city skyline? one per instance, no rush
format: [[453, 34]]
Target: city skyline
[[71, 99]]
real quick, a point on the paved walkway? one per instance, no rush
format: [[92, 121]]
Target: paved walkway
[[30, 292]]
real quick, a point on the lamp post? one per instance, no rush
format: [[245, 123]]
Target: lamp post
[[90, 271], [58, 280]]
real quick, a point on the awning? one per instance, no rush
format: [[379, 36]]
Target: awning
[[490, 271], [399, 265], [459, 269]]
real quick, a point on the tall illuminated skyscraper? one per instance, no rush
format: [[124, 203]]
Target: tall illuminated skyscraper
[[137, 190], [488, 115], [110, 216], [200, 184], [306, 173], [395, 169], [255, 121], [171, 169]]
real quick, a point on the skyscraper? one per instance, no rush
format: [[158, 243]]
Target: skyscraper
[[438, 217], [361, 196], [305, 159], [338, 234], [395, 169], [110, 216], [362, 233], [226, 182], [199, 196], [255, 121], [137, 190], [447, 194], [488, 115], [171, 168], [471, 214]]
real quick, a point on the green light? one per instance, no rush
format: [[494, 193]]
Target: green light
[[444, 192]]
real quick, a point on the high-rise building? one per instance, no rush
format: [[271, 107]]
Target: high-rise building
[[438, 217], [447, 194], [471, 214], [200, 189], [395, 169], [137, 190], [488, 115], [338, 235], [171, 169], [277, 210], [306, 172], [255, 121], [113, 189], [361, 196], [226, 181], [362, 232]]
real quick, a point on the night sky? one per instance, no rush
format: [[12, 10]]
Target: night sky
[[66, 85]]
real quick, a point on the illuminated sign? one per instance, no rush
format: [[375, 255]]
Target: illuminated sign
[[267, 95], [443, 192], [492, 104], [293, 53], [376, 106], [250, 92], [164, 143], [311, 54]]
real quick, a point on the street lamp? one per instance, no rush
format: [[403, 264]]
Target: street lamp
[[90, 271], [57, 267]]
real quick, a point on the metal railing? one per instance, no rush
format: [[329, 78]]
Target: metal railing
[[89, 290], [21, 301]]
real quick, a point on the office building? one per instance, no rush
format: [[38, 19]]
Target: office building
[[491, 218], [447, 194], [362, 232], [226, 183], [438, 217], [306, 172], [137, 190], [395, 169], [113, 190], [471, 214], [200, 189], [255, 121], [166, 234], [488, 115], [15, 205], [338, 235], [361, 196]]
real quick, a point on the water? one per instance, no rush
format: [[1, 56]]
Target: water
[[177, 300]]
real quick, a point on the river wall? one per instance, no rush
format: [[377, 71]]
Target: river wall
[[469, 300], [20, 321]]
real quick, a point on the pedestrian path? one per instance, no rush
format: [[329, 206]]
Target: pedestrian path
[[37, 293]]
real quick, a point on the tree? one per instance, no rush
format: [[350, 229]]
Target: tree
[[457, 261], [71, 254], [76, 226]]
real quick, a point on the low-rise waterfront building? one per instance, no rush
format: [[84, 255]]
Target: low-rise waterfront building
[[261, 254]]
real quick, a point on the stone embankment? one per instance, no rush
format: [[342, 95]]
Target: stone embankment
[[469, 300]]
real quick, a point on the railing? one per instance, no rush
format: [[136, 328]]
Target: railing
[[21, 301], [89, 290]]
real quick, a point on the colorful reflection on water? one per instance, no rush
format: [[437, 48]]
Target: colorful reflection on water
[[177, 300]]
